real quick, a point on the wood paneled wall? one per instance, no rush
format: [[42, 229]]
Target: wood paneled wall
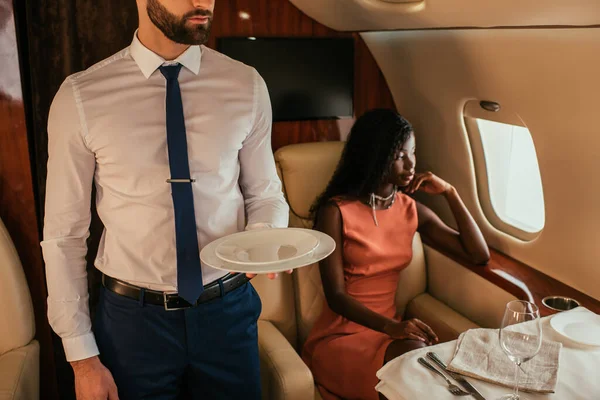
[[280, 18], [62, 37], [17, 201]]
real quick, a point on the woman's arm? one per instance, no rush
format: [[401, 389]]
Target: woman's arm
[[340, 302], [468, 241]]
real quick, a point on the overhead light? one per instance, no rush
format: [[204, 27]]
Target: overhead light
[[251, 38], [244, 15]]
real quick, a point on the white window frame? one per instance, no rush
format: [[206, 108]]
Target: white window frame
[[471, 112]]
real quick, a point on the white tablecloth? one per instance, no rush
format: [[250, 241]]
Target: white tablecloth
[[578, 375]]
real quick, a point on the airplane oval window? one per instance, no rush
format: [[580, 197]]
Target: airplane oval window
[[508, 175], [513, 174]]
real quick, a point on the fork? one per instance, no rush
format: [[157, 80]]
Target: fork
[[452, 388]]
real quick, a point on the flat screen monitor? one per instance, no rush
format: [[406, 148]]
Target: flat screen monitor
[[307, 78]]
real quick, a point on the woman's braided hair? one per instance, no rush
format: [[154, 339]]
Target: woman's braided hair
[[367, 156]]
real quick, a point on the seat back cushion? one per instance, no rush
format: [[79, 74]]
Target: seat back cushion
[[17, 325], [305, 170], [413, 279]]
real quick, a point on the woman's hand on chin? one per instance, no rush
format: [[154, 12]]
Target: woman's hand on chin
[[429, 183]]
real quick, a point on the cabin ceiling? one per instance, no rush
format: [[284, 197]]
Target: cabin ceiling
[[376, 15]]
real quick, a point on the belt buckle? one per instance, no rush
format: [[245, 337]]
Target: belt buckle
[[166, 303]]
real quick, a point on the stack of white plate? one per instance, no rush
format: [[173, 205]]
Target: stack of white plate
[[267, 250]]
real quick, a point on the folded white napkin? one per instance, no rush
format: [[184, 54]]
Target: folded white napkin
[[478, 354]]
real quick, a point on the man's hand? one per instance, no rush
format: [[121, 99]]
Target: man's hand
[[270, 275], [93, 381]]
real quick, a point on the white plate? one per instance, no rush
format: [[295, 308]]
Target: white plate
[[266, 246], [325, 247], [578, 325]]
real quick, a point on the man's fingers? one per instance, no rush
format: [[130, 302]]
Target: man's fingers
[[113, 394], [270, 275]]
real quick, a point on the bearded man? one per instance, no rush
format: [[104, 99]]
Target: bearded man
[[176, 139]]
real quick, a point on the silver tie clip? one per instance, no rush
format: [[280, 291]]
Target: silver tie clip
[[180, 180]]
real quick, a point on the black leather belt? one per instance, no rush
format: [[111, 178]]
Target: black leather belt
[[171, 301]]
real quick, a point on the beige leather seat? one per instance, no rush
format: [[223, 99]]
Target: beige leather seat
[[19, 352], [440, 292]]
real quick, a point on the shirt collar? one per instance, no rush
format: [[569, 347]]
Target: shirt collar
[[148, 61]]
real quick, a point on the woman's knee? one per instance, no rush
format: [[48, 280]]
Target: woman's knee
[[399, 347]]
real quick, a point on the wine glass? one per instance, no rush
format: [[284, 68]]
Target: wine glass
[[520, 336]]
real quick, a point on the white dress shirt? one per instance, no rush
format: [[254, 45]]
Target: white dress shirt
[[107, 125]]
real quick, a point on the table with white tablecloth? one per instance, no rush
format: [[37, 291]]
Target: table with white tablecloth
[[578, 375]]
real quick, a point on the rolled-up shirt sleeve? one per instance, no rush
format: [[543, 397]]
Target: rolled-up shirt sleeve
[[261, 186], [67, 217]]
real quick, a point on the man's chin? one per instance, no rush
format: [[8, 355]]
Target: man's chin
[[192, 40], [199, 37]]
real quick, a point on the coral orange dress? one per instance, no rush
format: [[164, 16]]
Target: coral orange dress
[[345, 356]]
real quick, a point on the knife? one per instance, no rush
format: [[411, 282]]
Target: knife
[[461, 380]]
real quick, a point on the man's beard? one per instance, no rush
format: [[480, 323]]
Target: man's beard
[[175, 28]]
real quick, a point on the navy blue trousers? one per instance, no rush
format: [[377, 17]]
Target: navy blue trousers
[[206, 352]]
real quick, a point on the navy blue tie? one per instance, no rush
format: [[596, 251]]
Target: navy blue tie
[[189, 271]]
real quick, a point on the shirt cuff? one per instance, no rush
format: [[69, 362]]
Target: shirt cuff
[[80, 347], [258, 225]]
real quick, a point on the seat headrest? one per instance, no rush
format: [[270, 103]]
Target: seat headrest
[[305, 171]]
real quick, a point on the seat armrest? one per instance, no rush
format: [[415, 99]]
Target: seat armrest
[[20, 373], [445, 322], [283, 373]]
